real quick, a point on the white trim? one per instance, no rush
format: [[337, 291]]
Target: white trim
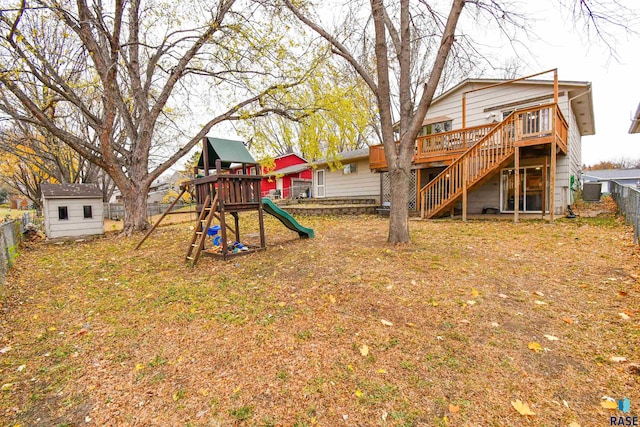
[[323, 187]]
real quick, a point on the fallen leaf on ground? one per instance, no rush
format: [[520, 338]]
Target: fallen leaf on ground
[[454, 408], [540, 294], [538, 302], [609, 404], [411, 325], [522, 408], [567, 320], [475, 292], [332, 299], [618, 359], [364, 350], [470, 302], [534, 346], [503, 296], [552, 338], [574, 424], [359, 393], [386, 322], [624, 316], [495, 324]]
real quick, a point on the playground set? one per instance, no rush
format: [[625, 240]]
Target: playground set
[[220, 194]]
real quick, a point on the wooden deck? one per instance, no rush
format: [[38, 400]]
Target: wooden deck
[[530, 126]]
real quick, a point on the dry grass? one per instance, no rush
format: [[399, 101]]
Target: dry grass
[[100, 335]]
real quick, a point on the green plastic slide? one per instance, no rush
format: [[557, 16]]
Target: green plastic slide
[[269, 207]]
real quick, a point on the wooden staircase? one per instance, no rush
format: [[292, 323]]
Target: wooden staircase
[[200, 231], [469, 170]]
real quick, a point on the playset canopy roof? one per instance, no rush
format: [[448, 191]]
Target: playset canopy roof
[[228, 151]]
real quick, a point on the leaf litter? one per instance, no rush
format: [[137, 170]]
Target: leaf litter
[[277, 337]]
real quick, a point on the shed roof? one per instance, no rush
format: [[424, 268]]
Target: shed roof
[[228, 151], [70, 191]]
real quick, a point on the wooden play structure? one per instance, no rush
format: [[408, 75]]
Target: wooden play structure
[[219, 193]]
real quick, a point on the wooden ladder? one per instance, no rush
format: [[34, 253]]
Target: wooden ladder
[[200, 232]]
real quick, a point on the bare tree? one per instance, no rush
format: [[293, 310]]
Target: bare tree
[[128, 70]]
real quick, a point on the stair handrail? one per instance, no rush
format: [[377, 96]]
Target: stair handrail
[[507, 143]]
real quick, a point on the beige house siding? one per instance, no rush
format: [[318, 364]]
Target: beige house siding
[[362, 183], [76, 225]]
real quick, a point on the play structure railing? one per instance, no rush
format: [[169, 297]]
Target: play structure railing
[[235, 192]]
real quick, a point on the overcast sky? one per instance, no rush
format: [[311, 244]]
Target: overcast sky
[[615, 83]]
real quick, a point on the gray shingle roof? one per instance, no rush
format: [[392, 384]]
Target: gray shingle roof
[[70, 191], [347, 155], [611, 174]]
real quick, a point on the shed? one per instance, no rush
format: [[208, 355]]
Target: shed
[[72, 210]]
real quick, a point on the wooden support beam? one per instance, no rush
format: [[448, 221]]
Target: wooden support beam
[[545, 193], [516, 186], [552, 182], [465, 178], [160, 220]]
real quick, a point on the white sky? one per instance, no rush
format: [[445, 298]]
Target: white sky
[[615, 84]]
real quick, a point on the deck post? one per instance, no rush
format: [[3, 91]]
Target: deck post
[[552, 183], [465, 177], [545, 194], [555, 87], [516, 186], [464, 119]]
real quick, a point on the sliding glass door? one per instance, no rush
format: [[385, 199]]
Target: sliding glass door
[[531, 186]]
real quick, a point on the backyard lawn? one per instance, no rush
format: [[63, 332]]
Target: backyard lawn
[[471, 325]]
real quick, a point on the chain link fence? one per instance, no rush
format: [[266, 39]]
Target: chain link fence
[[628, 200]]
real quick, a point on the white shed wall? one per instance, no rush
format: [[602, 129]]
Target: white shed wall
[[76, 225]]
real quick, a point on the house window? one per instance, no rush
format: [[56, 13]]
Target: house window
[[350, 168], [88, 213], [438, 127], [63, 213]]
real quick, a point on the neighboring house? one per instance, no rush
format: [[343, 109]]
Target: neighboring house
[[635, 122], [159, 189], [18, 202], [606, 176], [476, 133], [353, 179], [72, 210], [290, 178]]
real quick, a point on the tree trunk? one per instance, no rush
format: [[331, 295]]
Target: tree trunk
[[399, 215], [135, 208]]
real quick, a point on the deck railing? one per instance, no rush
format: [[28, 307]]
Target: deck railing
[[628, 200], [534, 124]]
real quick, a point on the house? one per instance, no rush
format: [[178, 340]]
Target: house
[[289, 178], [18, 202], [353, 179], [635, 122], [483, 136], [606, 176], [72, 210]]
